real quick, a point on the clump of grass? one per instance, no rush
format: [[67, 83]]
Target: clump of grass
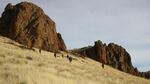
[[1, 62], [3, 56], [29, 58], [19, 56], [6, 75], [41, 64], [23, 82]]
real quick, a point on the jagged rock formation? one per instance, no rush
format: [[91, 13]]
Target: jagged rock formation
[[27, 24], [61, 42], [146, 74], [111, 54]]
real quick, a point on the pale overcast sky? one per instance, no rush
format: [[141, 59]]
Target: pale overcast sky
[[81, 22]]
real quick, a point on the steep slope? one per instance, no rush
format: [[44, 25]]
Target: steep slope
[[19, 65], [27, 24], [112, 55]]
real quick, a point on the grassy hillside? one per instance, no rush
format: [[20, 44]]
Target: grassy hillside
[[22, 66]]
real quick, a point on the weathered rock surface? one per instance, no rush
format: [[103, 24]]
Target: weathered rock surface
[[27, 24], [146, 74], [111, 54], [61, 42]]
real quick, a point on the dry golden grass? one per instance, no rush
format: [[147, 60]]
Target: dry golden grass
[[22, 66]]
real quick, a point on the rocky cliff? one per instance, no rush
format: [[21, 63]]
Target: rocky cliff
[[111, 54], [146, 74], [27, 24]]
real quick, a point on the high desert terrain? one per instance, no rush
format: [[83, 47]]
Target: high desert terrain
[[33, 52]]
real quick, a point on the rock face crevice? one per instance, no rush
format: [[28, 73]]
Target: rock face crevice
[[112, 55], [27, 24]]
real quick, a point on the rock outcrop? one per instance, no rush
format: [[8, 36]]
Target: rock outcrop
[[146, 74], [61, 42], [111, 54], [27, 24]]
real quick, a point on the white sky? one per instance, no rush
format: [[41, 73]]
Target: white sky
[[81, 22]]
